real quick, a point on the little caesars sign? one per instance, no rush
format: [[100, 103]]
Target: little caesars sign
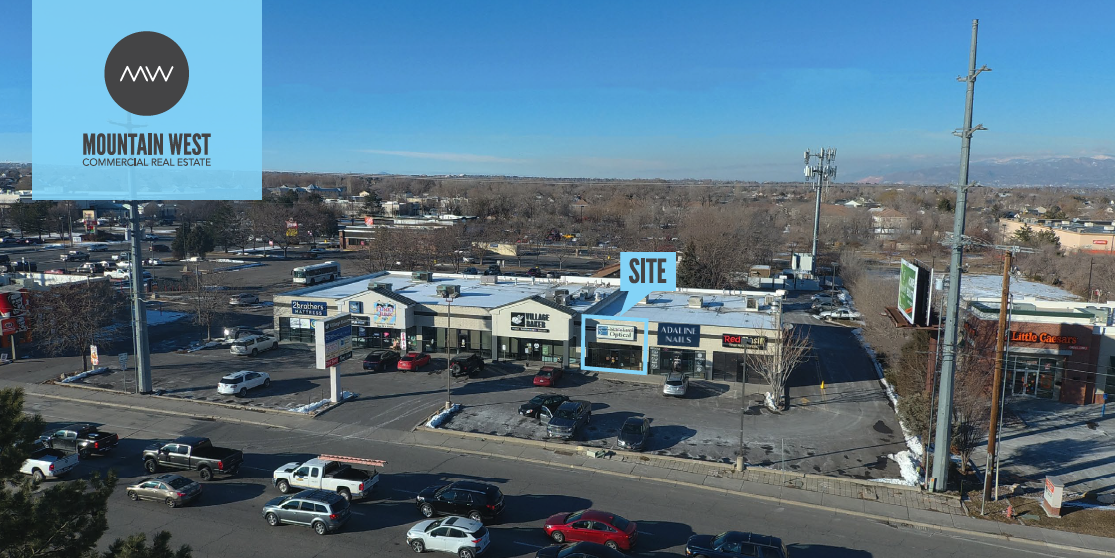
[[529, 321]]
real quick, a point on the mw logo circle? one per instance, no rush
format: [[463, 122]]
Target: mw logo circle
[[146, 73]]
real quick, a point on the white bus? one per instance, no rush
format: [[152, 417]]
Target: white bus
[[317, 273]]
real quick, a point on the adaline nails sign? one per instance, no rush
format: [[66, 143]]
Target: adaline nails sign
[[138, 100]]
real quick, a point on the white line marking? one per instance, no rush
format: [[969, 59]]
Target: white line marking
[[530, 545], [1011, 548], [643, 533]]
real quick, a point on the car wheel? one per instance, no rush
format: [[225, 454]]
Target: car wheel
[[132, 494], [427, 510], [206, 473], [243, 392], [272, 519], [344, 492], [558, 537], [83, 453], [255, 352], [612, 545], [283, 486], [418, 546], [151, 466], [267, 383], [171, 503], [274, 346], [475, 516], [37, 476], [466, 553], [319, 528]]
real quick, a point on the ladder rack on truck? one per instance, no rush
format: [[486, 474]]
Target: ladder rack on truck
[[353, 460]]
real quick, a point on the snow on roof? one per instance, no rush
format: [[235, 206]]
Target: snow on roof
[[716, 310], [991, 286]]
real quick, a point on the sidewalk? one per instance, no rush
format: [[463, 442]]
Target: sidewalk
[[885, 503]]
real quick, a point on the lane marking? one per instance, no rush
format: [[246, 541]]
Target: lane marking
[[529, 544]]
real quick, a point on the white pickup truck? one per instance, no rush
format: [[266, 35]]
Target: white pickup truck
[[47, 463], [329, 472]]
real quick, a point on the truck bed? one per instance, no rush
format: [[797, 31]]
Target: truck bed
[[220, 454]]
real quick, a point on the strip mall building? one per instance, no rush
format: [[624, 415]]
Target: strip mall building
[[703, 332]]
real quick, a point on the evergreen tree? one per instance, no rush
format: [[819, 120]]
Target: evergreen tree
[[181, 243], [373, 204], [691, 273]]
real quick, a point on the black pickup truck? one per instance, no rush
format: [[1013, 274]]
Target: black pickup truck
[[82, 439], [191, 453]]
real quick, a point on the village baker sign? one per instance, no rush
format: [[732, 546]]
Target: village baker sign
[[679, 335], [530, 321]]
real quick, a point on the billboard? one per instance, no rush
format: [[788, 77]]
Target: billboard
[[384, 314], [333, 340], [914, 293]]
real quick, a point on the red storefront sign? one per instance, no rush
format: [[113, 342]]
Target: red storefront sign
[[1099, 242], [8, 326]]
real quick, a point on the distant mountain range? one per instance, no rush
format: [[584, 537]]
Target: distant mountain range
[[1081, 172]]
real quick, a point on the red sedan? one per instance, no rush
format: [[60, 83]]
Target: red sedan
[[548, 376], [595, 526], [413, 361]]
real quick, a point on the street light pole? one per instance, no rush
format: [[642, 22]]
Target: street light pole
[[448, 358], [742, 409]]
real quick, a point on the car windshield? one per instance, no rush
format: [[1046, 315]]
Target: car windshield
[[180, 482], [719, 539], [231, 380], [434, 525], [574, 516], [537, 399], [620, 523], [545, 373], [567, 413], [632, 427]]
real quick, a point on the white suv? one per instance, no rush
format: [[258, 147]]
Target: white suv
[[466, 538], [253, 345], [238, 383]]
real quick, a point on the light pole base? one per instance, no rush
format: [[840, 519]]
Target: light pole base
[[739, 464], [448, 405]]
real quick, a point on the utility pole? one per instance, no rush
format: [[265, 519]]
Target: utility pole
[[822, 171], [742, 409], [1091, 262], [448, 356], [997, 380], [139, 308], [942, 442]]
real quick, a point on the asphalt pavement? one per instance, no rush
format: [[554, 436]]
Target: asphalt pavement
[[226, 520]]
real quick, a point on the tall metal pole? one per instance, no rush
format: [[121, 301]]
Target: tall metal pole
[[816, 217], [941, 456], [742, 409], [448, 357], [139, 309], [993, 425]]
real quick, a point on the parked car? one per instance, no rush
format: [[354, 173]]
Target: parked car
[[329, 472], [676, 383], [595, 526], [476, 500], [150, 237], [548, 376], [253, 345], [238, 383], [55, 271], [634, 433], [47, 463], [98, 247], [413, 361], [840, 314], [582, 549], [552, 275], [534, 272], [543, 404], [464, 537], [153, 262], [493, 270], [23, 266], [160, 248], [243, 298], [82, 439], [122, 257], [76, 256], [190, 453], [819, 306], [173, 490], [233, 333], [381, 359], [734, 544], [470, 271], [324, 511], [569, 416], [468, 364]]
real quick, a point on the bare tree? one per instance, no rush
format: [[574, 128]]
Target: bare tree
[[69, 318], [792, 349], [206, 301]]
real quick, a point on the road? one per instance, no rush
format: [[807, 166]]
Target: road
[[226, 520]]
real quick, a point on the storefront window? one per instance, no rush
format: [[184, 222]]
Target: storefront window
[[539, 350], [1035, 375], [297, 330], [374, 337], [607, 355]]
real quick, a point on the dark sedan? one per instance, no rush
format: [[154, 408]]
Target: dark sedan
[[380, 360], [634, 433], [578, 550], [735, 544], [548, 400]]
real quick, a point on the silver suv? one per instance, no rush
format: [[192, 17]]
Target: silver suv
[[568, 417], [677, 383], [323, 510]]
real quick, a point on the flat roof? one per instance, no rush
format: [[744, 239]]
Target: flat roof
[[473, 293], [991, 286], [722, 310]]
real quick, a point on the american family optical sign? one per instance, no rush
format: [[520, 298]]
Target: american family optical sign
[[146, 100], [333, 340]]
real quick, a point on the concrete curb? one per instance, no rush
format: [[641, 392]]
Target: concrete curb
[[154, 410], [199, 402]]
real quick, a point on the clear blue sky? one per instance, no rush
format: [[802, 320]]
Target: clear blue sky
[[729, 89]]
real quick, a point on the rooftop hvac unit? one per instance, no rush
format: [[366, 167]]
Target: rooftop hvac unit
[[447, 291], [424, 276], [599, 295], [586, 294], [696, 301], [372, 285], [562, 299], [560, 293], [751, 303], [488, 279]]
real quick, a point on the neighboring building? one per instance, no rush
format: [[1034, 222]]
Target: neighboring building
[[1093, 236], [353, 237], [889, 222], [542, 320]]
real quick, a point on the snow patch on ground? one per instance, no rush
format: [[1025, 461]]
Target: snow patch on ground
[[769, 400], [159, 317], [226, 260], [85, 374], [311, 407], [438, 419], [199, 347]]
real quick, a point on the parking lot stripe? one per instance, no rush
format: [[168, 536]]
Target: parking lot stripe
[[529, 544]]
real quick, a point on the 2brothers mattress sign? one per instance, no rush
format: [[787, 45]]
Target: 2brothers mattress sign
[[147, 101], [530, 321], [679, 335], [616, 332], [333, 340], [308, 308]]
